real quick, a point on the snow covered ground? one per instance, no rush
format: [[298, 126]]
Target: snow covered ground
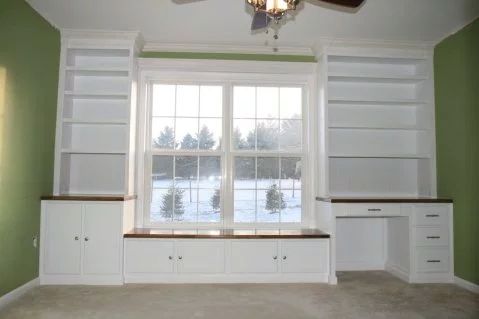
[[249, 201]]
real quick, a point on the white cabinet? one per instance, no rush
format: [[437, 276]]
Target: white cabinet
[[200, 256], [81, 242], [63, 239], [304, 256], [149, 256], [254, 256], [226, 260]]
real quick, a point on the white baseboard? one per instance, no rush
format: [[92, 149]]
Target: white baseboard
[[359, 265], [466, 285], [17, 293], [397, 272]]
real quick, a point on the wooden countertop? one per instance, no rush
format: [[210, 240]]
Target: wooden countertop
[[226, 233], [91, 198], [385, 200]]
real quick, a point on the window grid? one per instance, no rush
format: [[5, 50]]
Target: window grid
[[228, 108]]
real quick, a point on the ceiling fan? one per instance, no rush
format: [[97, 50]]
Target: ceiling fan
[[274, 10]]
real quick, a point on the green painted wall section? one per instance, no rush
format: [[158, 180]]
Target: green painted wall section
[[229, 56], [456, 66], [29, 59]]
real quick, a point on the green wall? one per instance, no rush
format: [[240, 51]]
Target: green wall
[[456, 66], [29, 57], [229, 56]]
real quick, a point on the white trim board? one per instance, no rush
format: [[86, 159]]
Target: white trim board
[[466, 285], [18, 292]]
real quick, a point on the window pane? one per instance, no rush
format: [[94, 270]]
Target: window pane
[[291, 172], [187, 204], [186, 171], [292, 212], [162, 171], [245, 173], [187, 133], [209, 205], [268, 172], [210, 172], [290, 103], [164, 100], [243, 136], [267, 132], [245, 206], [290, 136], [267, 103], [211, 101], [209, 137], [269, 204], [161, 205], [244, 102], [163, 133], [187, 100]]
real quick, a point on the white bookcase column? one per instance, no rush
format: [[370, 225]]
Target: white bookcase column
[[95, 140], [379, 122]]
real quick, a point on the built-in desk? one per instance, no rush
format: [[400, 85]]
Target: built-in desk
[[410, 237]]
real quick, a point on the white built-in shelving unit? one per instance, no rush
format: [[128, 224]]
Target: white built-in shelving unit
[[379, 122], [95, 139]]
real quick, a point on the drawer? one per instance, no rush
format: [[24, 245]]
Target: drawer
[[432, 259], [431, 215], [374, 210], [432, 236]]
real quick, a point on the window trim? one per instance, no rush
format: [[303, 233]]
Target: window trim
[[274, 74]]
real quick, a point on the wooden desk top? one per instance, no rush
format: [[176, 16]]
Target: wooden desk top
[[226, 233], [90, 198], [384, 200]]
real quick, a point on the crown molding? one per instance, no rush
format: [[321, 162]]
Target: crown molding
[[77, 36], [226, 48]]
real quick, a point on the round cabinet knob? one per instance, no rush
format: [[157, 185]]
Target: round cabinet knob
[[180, 257], [284, 257], [77, 238], [170, 257], [275, 257], [87, 239]]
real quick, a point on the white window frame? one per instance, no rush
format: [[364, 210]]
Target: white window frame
[[228, 74]]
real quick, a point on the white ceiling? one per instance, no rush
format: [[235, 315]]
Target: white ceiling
[[228, 21]]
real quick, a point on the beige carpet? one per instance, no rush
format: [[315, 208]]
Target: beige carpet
[[358, 295]]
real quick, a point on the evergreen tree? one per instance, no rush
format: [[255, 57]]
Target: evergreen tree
[[166, 138], [274, 199], [238, 140], [215, 200], [205, 139], [266, 136], [167, 210], [189, 142]]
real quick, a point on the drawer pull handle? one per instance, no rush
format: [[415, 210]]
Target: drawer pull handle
[[433, 261], [433, 237], [275, 257], [77, 238], [432, 215], [374, 209], [87, 239]]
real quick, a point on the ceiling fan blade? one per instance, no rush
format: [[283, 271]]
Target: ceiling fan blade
[[345, 3], [260, 20]]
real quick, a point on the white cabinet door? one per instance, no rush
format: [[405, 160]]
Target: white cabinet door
[[102, 238], [149, 256], [304, 256], [254, 256], [62, 246], [200, 256]]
